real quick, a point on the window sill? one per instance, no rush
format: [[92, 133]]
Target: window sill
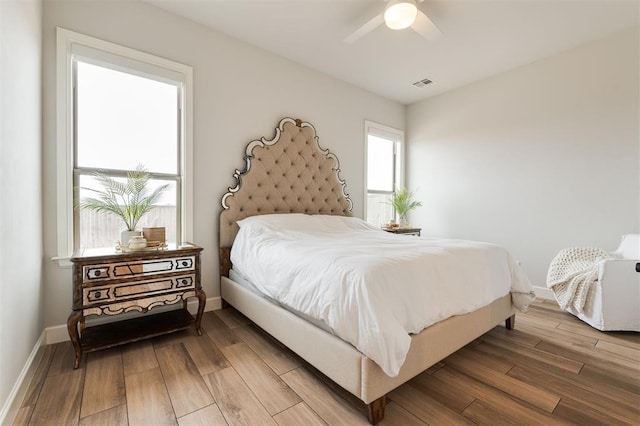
[[64, 262]]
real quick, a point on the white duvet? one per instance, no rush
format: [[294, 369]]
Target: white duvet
[[372, 288]]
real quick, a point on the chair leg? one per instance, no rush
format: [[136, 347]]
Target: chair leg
[[510, 322]]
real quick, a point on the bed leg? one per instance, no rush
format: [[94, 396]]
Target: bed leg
[[510, 322], [375, 410], [225, 304]]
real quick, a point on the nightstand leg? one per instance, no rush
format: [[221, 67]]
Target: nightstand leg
[[72, 328], [202, 300]]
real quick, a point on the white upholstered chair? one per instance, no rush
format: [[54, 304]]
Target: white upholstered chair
[[614, 302]]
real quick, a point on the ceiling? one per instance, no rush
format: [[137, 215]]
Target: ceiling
[[480, 37]]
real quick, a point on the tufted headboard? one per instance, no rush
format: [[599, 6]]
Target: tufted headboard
[[290, 173]]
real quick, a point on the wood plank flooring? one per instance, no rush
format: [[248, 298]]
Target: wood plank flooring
[[552, 369]]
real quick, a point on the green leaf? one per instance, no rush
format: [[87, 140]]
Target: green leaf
[[402, 202], [130, 200]]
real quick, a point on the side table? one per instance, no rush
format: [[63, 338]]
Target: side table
[[404, 231], [106, 282]]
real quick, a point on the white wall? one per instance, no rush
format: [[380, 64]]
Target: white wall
[[20, 188], [241, 93], [539, 158]]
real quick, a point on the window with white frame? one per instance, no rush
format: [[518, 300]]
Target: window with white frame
[[384, 171], [120, 108]]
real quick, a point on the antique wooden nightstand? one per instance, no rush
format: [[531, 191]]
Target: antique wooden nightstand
[[106, 282], [404, 231]]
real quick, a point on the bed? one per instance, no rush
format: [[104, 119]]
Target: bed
[[291, 174]]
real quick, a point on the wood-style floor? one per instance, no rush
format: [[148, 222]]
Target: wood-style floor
[[552, 369]]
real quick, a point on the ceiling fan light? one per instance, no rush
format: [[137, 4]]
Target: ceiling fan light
[[400, 14]]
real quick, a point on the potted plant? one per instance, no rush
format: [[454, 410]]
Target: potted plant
[[130, 200], [402, 202]]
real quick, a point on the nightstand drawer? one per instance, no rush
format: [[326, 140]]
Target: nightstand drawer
[[117, 292], [137, 268], [139, 305]]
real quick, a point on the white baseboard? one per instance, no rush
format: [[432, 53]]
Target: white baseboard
[[543, 293], [59, 333], [17, 394]]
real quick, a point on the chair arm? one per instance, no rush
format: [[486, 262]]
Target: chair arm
[[619, 272], [620, 287]]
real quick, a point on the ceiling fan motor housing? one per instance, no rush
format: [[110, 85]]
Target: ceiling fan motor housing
[[400, 14]]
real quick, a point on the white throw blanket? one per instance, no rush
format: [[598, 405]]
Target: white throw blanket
[[572, 273]]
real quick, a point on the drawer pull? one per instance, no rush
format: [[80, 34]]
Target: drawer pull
[[184, 264], [96, 273], [97, 295], [184, 282]]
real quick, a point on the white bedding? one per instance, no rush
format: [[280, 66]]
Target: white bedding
[[372, 288]]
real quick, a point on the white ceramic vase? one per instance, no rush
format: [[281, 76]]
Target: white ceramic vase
[[125, 236]]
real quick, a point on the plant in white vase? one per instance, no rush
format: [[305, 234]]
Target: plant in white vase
[[402, 201], [129, 199]]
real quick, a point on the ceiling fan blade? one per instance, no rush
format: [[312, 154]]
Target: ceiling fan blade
[[368, 26], [425, 27]]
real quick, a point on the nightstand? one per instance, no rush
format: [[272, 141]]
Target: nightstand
[[404, 231], [106, 282]]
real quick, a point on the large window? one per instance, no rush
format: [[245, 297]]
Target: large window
[[122, 120], [384, 170], [119, 108]]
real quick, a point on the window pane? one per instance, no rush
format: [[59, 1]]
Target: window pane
[[124, 119], [380, 171], [379, 212], [99, 229]]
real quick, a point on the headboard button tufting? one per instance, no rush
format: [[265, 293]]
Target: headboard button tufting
[[289, 173]]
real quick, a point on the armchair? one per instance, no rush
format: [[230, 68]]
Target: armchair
[[614, 299]]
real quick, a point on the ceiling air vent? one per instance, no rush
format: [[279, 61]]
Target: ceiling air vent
[[422, 83]]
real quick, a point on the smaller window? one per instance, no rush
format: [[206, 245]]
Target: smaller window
[[384, 171]]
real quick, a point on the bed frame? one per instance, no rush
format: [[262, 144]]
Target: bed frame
[[291, 173]]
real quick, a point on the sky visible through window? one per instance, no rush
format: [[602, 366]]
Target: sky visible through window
[[380, 173], [123, 120], [380, 177]]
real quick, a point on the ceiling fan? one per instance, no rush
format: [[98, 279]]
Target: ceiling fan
[[397, 15]]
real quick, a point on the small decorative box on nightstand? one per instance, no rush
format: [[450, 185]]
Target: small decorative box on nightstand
[[404, 231], [106, 282]]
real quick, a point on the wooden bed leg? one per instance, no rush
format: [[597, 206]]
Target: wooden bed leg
[[510, 322], [375, 410], [225, 304]]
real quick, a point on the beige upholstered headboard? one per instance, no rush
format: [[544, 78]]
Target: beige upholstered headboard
[[290, 173]]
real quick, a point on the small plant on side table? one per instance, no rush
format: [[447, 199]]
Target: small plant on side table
[[402, 202], [130, 200]]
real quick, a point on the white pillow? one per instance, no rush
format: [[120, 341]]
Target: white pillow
[[292, 221], [343, 223], [630, 246], [305, 223]]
